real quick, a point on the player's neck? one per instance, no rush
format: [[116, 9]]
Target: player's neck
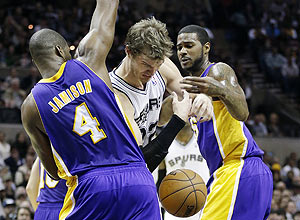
[[202, 68], [50, 68], [127, 74]]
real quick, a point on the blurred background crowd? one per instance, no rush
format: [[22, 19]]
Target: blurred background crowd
[[258, 38]]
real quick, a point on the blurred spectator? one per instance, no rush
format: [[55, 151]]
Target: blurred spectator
[[9, 206], [23, 172], [277, 196], [4, 148], [14, 161], [259, 127], [24, 213], [21, 143], [14, 95], [297, 215], [274, 61], [274, 129], [291, 166], [290, 76], [10, 186], [290, 210], [20, 195]]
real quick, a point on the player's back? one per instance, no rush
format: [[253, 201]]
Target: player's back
[[83, 120]]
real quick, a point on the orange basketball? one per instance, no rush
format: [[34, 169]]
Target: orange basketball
[[182, 193]]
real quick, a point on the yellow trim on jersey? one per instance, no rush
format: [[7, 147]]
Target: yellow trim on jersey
[[229, 133], [96, 74], [125, 117], [69, 202], [223, 192], [56, 76]]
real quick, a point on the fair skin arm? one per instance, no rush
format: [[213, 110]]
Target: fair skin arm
[[201, 106], [32, 187], [221, 82]]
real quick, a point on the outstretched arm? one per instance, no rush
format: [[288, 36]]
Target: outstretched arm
[[155, 151], [222, 83], [94, 47], [32, 187], [201, 106]]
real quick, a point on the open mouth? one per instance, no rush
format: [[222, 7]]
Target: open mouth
[[185, 60]]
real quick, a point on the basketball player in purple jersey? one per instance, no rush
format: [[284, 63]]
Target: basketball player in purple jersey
[[240, 187], [46, 195], [80, 132]]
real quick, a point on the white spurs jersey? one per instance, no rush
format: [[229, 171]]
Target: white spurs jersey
[[147, 102], [186, 157]]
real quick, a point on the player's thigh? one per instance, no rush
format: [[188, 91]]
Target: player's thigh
[[119, 195], [237, 185], [255, 191]]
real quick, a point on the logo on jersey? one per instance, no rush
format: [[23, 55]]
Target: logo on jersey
[[185, 158], [153, 104]]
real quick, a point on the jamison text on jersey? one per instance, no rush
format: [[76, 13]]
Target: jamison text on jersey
[[70, 94]]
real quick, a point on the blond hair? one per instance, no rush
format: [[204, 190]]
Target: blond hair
[[150, 37]]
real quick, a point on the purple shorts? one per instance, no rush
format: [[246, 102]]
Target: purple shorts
[[49, 211], [120, 193]]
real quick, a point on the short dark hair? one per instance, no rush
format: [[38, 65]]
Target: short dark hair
[[43, 42], [200, 31]]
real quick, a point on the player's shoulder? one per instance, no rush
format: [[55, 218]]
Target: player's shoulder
[[222, 66], [28, 110], [221, 70]]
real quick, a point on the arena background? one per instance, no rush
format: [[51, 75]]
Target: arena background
[[258, 38]]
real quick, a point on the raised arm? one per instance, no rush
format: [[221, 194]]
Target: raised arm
[[94, 47]]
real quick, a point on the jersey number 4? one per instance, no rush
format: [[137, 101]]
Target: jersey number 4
[[84, 123]]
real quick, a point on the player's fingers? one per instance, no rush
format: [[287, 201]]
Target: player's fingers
[[185, 94], [175, 97]]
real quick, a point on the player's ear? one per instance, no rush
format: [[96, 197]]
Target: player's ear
[[60, 52], [127, 50], [206, 48]]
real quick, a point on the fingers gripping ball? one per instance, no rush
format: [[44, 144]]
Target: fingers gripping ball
[[182, 193]]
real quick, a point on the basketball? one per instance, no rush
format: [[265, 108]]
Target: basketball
[[182, 193]]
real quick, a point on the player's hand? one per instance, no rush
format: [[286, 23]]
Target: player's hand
[[207, 85], [182, 108], [202, 108]]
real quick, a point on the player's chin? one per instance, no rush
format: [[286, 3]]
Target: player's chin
[[186, 65]]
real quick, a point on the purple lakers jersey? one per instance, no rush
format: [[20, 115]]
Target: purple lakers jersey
[[50, 190], [224, 138], [83, 120]]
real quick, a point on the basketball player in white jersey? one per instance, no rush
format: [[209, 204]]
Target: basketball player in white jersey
[[145, 73], [183, 153]]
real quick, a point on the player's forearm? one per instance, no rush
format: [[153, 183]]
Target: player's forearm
[[157, 149], [236, 105]]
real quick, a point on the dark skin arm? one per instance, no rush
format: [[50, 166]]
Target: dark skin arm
[[221, 82], [40, 142], [94, 47], [92, 50]]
